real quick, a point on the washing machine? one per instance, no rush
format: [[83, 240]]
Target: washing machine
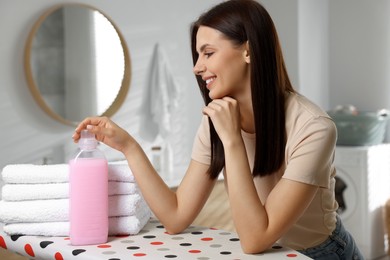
[[362, 189]]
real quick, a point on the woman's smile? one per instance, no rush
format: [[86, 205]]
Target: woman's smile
[[209, 81]]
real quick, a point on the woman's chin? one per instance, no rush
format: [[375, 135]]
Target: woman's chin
[[213, 95]]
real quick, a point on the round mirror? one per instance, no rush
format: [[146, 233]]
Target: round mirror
[[77, 63]]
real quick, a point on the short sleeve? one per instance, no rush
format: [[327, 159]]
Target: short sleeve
[[201, 149], [310, 153]]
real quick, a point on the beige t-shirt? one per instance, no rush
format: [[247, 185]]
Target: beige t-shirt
[[309, 154]]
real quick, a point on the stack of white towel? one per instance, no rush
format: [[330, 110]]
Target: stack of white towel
[[35, 200]]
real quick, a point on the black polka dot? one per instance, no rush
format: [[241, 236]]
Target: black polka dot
[[170, 256], [149, 237], [186, 244], [44, 244], [78, 251], [225, 253], [277, 247], [133, 247], [160, 226], [234, 239], [15, 237], [197, 233], [114, 259]]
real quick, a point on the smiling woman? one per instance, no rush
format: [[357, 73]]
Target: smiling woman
[[70, 72]]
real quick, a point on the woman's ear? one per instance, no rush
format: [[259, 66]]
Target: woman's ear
[[247, 53]]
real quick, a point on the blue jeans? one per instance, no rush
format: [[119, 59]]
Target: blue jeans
[[340, 245]]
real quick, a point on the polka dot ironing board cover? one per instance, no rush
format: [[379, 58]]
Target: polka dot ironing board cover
[[151, 243]]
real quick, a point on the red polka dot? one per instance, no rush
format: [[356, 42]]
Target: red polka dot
[[213, 228], [291, 255], [2, 243], [139, 254], [156, 243], [206, 239], [103, 246], [29, 250], [67, 238], [58, 256], [194, 251]]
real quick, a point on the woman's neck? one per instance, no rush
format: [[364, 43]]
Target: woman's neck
[[247, 119]]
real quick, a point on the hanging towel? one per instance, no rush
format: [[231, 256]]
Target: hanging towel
[[160, 97], [57, 173], [18, 192], [127, 225], [58, 210]]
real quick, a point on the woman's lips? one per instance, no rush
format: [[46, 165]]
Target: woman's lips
[[209, 81]]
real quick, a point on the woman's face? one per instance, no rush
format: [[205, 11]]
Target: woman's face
[[223, 66]]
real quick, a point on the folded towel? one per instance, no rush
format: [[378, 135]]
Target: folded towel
[[57, 173], [18, 192], [127, 225], [58, 210]]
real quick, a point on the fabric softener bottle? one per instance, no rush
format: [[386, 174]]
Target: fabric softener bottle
[[88, 209]]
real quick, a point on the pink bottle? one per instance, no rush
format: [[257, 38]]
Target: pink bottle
[[88, 209]]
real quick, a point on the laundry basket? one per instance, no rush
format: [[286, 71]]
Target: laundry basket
[[360, 128]]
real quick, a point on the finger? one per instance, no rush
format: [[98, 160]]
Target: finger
[[88, 121], [229, 99], [207, 111], [84, 125]]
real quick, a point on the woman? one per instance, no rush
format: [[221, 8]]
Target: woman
[[274, 147]]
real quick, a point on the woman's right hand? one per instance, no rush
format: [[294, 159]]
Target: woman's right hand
[[106, 132]]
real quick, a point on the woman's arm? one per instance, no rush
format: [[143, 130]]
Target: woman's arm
[[175, 210], [258, 225]]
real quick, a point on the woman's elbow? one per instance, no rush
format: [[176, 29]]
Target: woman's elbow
[[254, 246], [173, 230], [175, 227]]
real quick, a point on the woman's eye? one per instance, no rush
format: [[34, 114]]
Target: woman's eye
[[208, 54]]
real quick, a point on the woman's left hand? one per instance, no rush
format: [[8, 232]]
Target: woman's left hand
[[225, 115]]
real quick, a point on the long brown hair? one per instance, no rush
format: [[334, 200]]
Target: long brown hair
[[248, 21]]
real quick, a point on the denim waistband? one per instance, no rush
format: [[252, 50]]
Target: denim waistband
[[339, 245]]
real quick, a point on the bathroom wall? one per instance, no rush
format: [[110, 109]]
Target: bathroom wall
[[359, 47], [29, 135]]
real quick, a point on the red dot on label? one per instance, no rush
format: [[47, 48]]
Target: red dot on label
[[291, 255], [58, 256], [206, 239], [29, 250], [103, 246], [194, 251], [2, 243], [156, 243], [139, 254]]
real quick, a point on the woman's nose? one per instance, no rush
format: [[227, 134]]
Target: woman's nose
[[199, 69]]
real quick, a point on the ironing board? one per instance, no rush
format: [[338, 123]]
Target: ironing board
[[151, 243]]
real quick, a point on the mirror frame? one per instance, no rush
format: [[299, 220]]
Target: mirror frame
[[124, 88]]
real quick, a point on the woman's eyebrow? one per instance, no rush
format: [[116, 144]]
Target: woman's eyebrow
[[204, 46]]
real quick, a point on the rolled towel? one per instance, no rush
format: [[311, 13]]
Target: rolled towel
[[126, 225], [58, 210], [19, 192], [57, 173]]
